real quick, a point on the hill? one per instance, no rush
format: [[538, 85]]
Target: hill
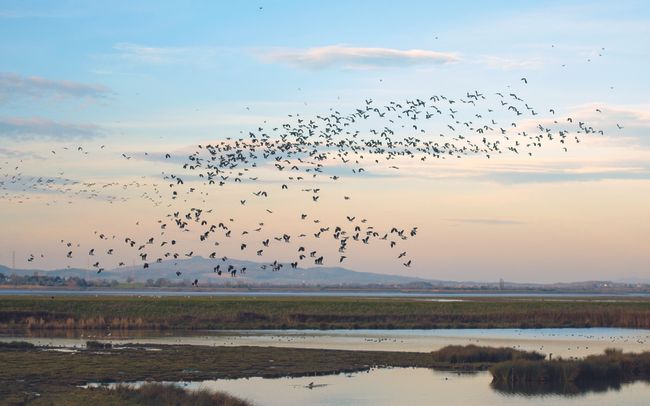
[[202, 269]]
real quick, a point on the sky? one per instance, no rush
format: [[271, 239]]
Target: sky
[[117, 78]]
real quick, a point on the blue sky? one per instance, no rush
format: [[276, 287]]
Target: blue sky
[[154, 77], [213, 52]]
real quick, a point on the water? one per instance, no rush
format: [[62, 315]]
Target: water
[[313, 293], [406, 386], [564, 342]]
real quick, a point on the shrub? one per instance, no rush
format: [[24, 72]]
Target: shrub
[[472, 353], [158, 394], [96, 345], [613, 367], [16, 345]]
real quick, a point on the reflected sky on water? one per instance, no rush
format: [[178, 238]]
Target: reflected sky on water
[[569, 342], [406, 386]]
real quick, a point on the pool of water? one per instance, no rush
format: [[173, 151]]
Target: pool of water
[[407, 386], [568, 342]]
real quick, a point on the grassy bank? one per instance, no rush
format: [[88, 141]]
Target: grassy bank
[[156, 394], [177, 362], [150, 394], [27, 371], [134, 313], [41, 376]]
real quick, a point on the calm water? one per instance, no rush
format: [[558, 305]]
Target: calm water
[[407, 386], [576, 342]]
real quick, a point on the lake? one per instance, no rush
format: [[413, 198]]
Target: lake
[[565, 342], [408, 386]]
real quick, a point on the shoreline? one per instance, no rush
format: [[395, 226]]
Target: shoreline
[[61, 371]]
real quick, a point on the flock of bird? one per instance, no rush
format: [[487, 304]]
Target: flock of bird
[[304, 155]]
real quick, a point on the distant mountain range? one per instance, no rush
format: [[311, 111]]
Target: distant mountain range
[[202, 269]]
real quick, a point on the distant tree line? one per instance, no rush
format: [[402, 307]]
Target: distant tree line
[[54, 281], [173, 283]]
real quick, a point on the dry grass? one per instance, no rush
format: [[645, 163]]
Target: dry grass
[[595, 372], [157, 394], [55, 375], [140, 313], [455, 354]]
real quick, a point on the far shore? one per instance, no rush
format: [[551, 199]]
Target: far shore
[[342, 290]]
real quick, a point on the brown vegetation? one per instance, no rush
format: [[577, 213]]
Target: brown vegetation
[[157, 394], [151, 313], [455, 354], [55, 375], [595, 372]]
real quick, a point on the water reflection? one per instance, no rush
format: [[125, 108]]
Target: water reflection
[[570, 342], [554, 388], [90, 334], [413, 387]]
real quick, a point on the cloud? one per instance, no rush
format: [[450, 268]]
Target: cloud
[[35, 127], [141, 53], [592, 167], [568, 176], [165, 55], [509, 63], [352, 57], [13, 153], [14, 85], [628, 125], [636, 115], [485, 221]]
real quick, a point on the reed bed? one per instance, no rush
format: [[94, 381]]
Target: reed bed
[[455, 354], [613, 367], [158, 394], [156, 313]]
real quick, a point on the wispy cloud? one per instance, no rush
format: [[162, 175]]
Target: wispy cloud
[[510, 63], [636, 115], [628, 124], [630, 165], [565, 175], [35, 127], [13, 153], [195, 55], [14, 86], [354, 57], [146, 54], [485, 221], [568, 176]]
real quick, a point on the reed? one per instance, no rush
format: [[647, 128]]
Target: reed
[[158, 394], [611, 368], [16, 345], [152, 313], [455, 354], [97, 345]]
